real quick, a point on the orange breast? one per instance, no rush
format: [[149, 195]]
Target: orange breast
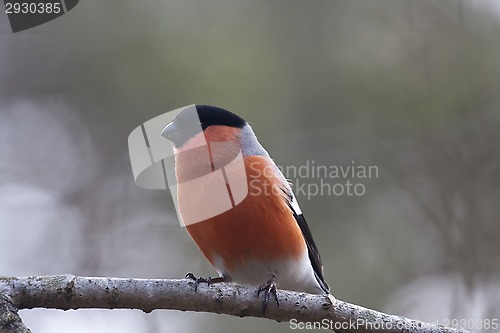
[[260, 228]]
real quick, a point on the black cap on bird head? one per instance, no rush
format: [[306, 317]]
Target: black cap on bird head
[[192, 121]]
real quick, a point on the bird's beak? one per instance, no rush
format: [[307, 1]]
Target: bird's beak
[[169, 131]]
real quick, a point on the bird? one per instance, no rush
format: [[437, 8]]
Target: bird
[[258, 239]]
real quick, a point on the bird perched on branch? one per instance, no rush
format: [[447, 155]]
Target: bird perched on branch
[[238, 207]]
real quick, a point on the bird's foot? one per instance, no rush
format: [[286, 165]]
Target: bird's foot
[[199, 280], [268, 289]]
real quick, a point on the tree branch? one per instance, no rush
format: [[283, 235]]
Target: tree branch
[[9, 319], [73, 292]]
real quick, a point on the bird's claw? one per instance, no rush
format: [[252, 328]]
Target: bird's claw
[[268, 289], [199, 280]]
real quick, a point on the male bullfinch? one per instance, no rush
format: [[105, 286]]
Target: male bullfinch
[[261, 239]]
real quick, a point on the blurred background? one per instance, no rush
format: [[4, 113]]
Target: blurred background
[[412, 87]]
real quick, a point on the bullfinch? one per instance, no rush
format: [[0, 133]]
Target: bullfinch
[[261, 237]]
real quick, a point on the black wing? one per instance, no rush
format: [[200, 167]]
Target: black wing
[[312, 249]]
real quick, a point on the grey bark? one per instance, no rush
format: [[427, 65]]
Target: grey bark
[[73, 292]]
